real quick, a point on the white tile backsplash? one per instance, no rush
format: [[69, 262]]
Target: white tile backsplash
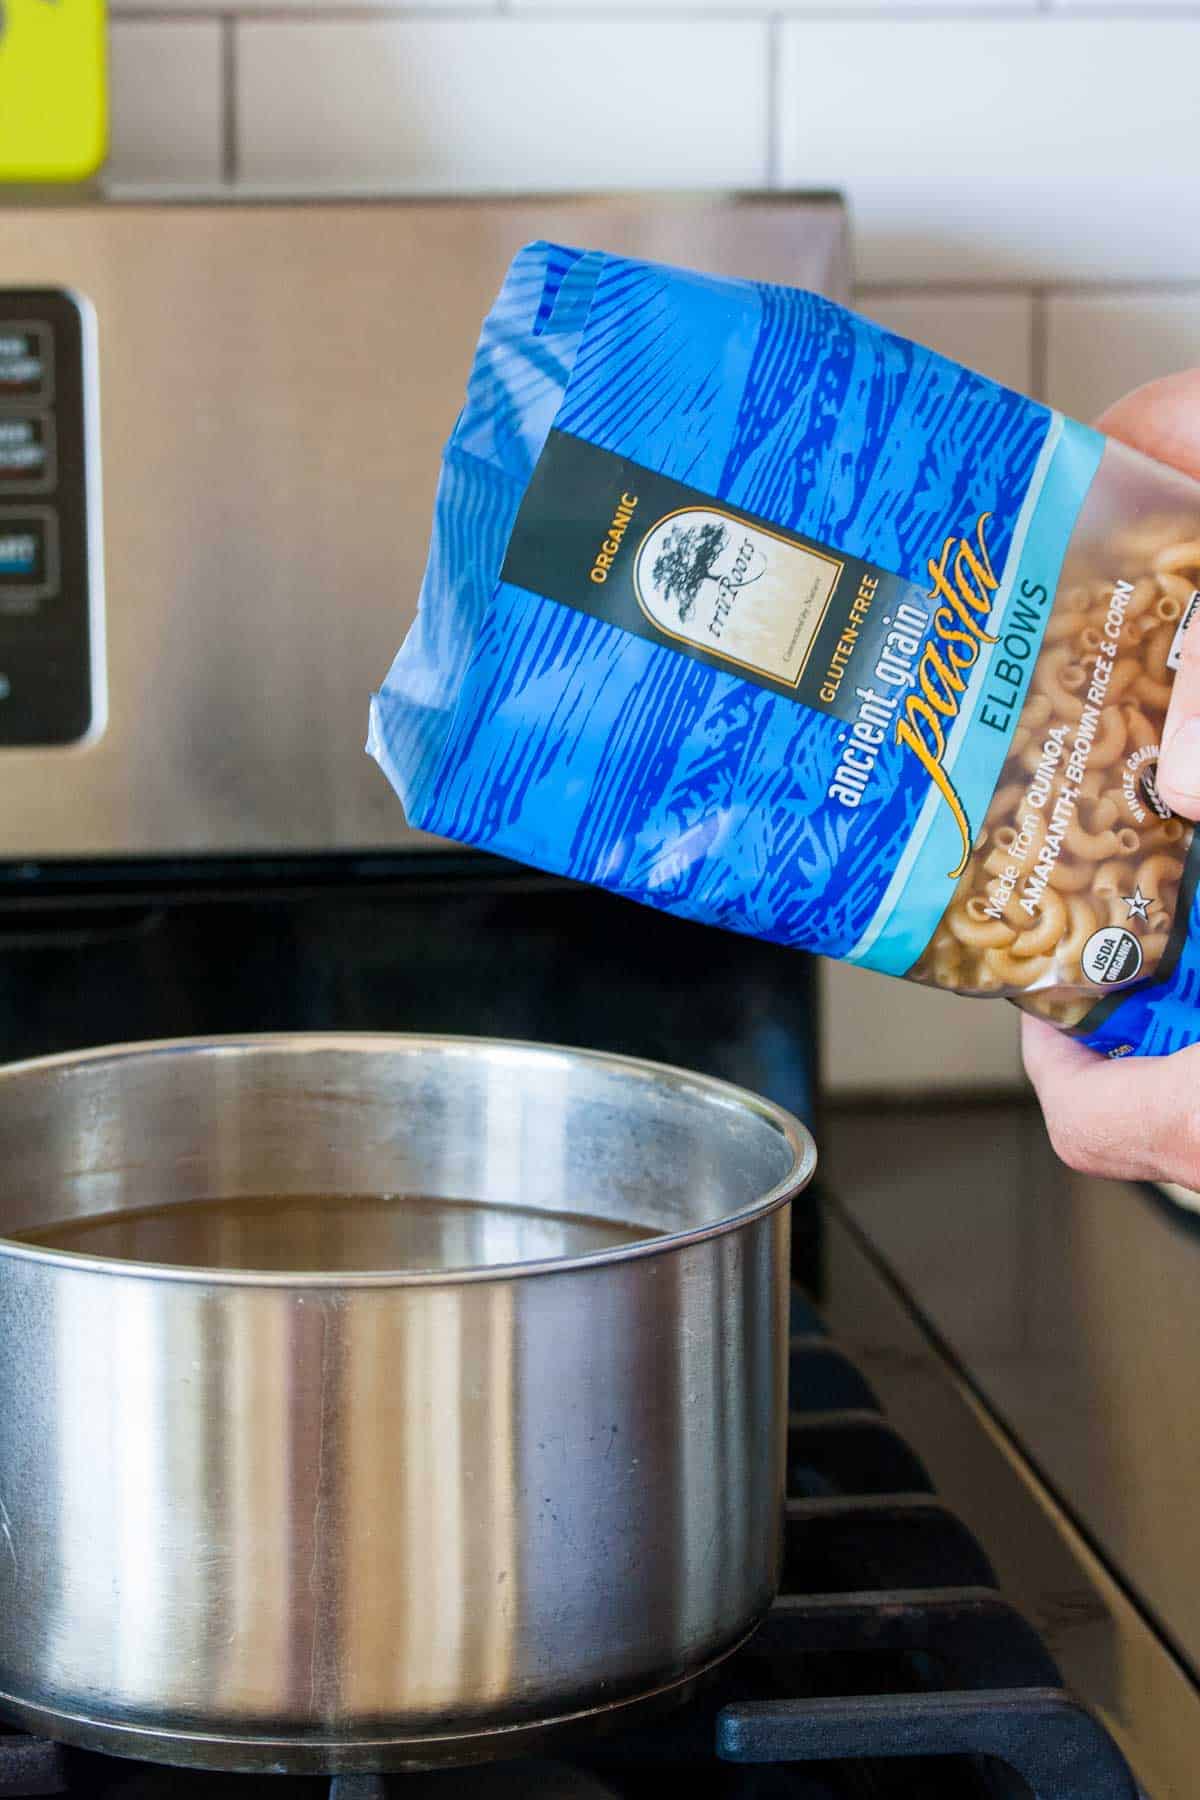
[[488, 104], [1107, 9], [694, 8], [992, 333], [1022, 149], [1098, 346], [776, 8], [166, 102], [304, 7]]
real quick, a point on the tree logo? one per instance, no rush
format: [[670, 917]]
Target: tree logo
[[698, 554], [685, 562], [734, 590]]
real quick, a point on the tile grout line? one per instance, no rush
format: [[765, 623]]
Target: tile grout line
[[1013, 287], [826, 11], [774, 45], [1038, 358], [313, 11], [308, 12], [229, 120], [953, 12]]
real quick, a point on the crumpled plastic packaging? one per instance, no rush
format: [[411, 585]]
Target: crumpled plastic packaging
[[748, 609]]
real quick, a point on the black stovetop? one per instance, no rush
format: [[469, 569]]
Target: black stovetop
[[889, 1666]]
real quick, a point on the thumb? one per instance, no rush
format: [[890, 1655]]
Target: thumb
[[1163, 419], [1178, 777]]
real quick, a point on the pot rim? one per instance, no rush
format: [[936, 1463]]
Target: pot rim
[[796, 1135]]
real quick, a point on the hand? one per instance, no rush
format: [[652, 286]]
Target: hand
[[1137, 1118]]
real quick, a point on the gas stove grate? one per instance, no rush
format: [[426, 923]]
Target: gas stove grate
[[889, 1665], [1003, 1697]]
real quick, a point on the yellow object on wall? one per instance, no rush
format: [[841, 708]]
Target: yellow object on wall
[[53, 112]]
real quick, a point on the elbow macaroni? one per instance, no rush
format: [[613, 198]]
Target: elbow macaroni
[[1121, 862]]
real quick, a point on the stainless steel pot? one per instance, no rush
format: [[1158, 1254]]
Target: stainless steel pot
[[357, 1521]]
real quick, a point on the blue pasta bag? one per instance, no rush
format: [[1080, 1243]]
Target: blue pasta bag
[[745, 608]]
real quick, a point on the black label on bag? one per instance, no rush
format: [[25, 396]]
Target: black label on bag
[[678, 567]]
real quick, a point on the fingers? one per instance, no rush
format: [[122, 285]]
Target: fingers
[[1136, 1119], [1162, 418], [1178, 777]]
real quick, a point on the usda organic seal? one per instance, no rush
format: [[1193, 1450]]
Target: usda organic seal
[[1112, 955]]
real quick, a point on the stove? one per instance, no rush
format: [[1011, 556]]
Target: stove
[[891, 1664], [994, 1449]]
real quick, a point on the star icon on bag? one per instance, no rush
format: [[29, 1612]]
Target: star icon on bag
[[1138, 903]]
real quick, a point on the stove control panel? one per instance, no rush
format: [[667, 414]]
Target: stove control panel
[[51, 587]]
